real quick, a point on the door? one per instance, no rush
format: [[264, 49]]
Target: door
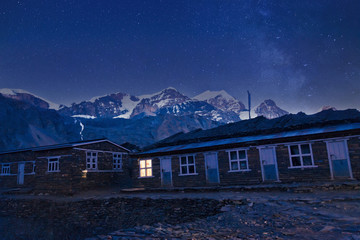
[[338, 159], [20, 176], [212, 168], [166, 176], [268, 164]]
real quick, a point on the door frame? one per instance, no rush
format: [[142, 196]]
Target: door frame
[[217, 163], [261, 164], [345, 141], [23, 173], [161, 173]]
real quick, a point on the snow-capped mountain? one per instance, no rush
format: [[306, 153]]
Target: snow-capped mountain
[[29, 120], [151, 104], [270, 110], [25, 96], [27, 124], [324, 108], [117, 105], [221, 100], [167, 101]]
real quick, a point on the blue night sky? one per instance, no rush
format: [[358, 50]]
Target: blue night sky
[[302, 54]]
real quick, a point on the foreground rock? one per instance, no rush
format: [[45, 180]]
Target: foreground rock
[[339, 219]]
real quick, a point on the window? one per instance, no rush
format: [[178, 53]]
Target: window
[[91, 160], [187, 165], [300, 155], [117, 161], [146, 168], [238, 160], [53, 164], [5, 170]]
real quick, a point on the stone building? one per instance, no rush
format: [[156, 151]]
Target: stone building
[[293, 148], [66, 168]]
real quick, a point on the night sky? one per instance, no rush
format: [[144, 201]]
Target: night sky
[[302, 54]]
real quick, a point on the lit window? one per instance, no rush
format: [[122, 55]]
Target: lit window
[[91, 160], [5, 170], [238, 160], [117, 161], [187, 165], [53, 164], [301, 155], [146, 168]]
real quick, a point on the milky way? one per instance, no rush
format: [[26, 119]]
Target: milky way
[[302, 54]]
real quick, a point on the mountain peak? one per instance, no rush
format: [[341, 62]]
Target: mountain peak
[[213, 94], [270, 110], [22, 95], [324, 108]]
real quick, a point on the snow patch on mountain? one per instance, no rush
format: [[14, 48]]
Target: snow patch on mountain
[[83, 116], [128, 106]]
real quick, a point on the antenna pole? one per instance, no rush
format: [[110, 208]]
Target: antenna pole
[[249, 103]]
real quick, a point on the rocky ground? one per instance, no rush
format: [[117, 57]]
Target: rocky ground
[[301, 214], [305, 219]]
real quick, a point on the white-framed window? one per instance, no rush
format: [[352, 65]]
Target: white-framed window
[[238, 160], [5, 169], [91, 160], [145, 168], [117, 161], [53, 164], [301, 155], [187, 165]]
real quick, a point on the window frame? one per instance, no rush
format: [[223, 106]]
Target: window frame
[[238, 160], [53, 165], [7, 167], [146, 168], [118, 166], [187, 165], [301, 155], [91, 162]]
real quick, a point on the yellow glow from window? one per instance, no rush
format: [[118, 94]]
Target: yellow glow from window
[[142, 163], [148, 163], [142, 173], [149, 172]]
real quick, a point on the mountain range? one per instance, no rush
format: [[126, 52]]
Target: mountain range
[[29, 120]]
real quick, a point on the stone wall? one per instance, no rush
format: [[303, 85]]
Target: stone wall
[[45, 219], [26, 157], [319, 172], [71, 177], [354, 153]]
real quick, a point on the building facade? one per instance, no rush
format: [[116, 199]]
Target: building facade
[[307, 155], [66, 168]]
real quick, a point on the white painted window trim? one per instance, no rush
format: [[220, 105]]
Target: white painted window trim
[[301, 155], [91, 158], [15, 174], [146, 168], [54, 164], [187, 165], [238, 160], [7, 167], [117, 165]]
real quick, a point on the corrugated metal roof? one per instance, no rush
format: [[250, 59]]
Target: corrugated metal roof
[[261, 125], [245, 139], [63, 145]]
